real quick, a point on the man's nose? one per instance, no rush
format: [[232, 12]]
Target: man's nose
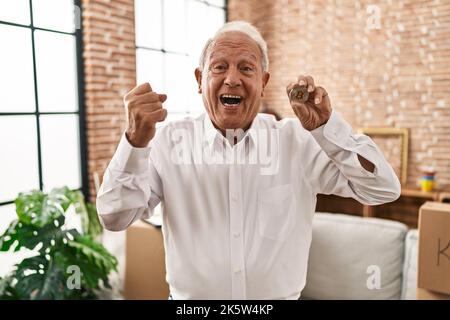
[[232, 78]]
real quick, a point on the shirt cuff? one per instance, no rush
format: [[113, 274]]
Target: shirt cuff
[[130, 159], [334, 135]]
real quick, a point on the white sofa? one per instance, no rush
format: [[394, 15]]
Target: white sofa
[[361, 258]]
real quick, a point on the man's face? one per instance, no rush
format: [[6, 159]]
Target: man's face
[[233, 81]]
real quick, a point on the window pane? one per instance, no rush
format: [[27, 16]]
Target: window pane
[[17, 11], [194, 99], [174, 25], [195, 105], [55, 14], [150, 68], [56, 71], [220, 3], [187, 26], [18, 156], [216, 18], [197, 33], [7, 215], [148, 23], [16, 65], [179, 79], [60, 151]]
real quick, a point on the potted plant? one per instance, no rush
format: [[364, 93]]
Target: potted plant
[[69, 263]]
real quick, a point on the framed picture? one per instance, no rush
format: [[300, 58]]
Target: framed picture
[[403, 135]]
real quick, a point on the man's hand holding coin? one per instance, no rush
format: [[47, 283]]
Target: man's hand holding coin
[[311, 104]]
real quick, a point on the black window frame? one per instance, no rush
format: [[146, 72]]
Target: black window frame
[[78, 33]]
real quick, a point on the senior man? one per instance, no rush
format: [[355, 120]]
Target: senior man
[[233, 230]]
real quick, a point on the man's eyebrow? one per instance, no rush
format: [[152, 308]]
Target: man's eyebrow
[[222, 55]]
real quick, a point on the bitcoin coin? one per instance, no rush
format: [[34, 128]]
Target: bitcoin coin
[[299, 93]]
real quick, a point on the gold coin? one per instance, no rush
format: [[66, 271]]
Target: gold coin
[[299, 93]]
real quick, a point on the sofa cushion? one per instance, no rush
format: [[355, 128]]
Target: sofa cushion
[[351, 255], [410, 266]]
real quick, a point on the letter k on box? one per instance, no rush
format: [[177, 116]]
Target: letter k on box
[[434, 247]]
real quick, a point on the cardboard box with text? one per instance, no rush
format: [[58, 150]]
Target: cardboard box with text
[[434, 247]]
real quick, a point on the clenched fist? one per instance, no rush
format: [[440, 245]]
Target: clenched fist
[[316, 110], [144, 109]]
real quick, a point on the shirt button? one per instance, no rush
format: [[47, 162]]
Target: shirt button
[[237, 270], [237, 234], [234, 197]]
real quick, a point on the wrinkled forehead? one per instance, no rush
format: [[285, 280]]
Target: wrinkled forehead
[[235, 43]]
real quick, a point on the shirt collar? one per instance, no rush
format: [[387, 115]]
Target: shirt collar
[[211, 133]]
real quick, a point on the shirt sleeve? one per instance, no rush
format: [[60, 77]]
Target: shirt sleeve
[[335, 169], [131, 187]]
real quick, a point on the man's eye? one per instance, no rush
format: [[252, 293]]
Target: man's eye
[[218, 68], [247, 69]]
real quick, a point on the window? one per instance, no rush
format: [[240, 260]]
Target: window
[[170, 35], [41, 114]]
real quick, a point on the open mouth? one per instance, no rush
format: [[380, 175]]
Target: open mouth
[[229, 100]]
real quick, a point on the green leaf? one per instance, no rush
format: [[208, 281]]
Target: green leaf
[[95, 227], [38, 209], [20, 235], [7, 291], [92, 258], [95, 251], [39, 278], [10, 236], [88, 213], [29, 205]]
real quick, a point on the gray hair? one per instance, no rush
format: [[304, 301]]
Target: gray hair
[[240, 26]]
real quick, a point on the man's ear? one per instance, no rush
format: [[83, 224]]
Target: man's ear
[[266, 77], [198, 76]]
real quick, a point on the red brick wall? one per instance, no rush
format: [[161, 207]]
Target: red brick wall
[[110, 71], [395, 76]]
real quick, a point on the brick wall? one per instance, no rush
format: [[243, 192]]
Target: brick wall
[[110, 71], [394, 76]]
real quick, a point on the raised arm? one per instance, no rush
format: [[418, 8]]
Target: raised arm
[[337, 160], [131, 186]]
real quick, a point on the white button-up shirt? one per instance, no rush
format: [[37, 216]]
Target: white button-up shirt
[[237, 220]]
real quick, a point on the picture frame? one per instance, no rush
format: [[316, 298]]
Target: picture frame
[[389, 132]]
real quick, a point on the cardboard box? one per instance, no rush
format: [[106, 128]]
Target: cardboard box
[[145, 270], [434, 247], [424, 294]]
